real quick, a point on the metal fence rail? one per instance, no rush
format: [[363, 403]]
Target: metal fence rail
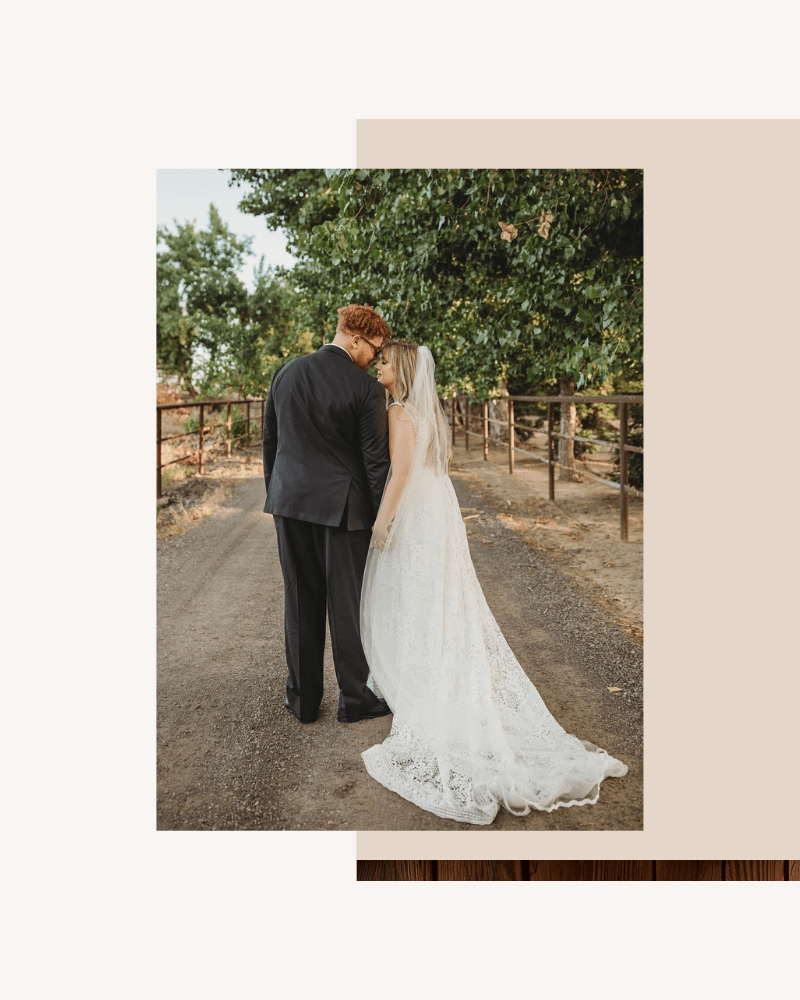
[[201, 431], [623, 402]]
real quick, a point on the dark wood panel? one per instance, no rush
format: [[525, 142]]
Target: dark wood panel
[[689, 871], [577, 871], [480, 871], [754, 871], [621, 871], [395, 871], [416, 871], [561, 871]]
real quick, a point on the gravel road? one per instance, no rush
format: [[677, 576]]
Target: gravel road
[[230, 757]]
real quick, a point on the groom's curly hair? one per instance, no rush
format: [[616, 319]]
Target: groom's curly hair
[[364, 320]]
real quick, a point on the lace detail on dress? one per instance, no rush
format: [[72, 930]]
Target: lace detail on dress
[[470, 731]]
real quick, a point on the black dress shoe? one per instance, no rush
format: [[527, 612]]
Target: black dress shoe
[[376, 713], [309, 722]]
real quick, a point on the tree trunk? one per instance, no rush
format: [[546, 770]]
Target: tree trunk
[[187, 387], [566, 449], [498, 411]]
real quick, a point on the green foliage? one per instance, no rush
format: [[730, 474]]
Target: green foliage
[[518, 275], [238, 423], [636, 462], [192, 424], [175, 472], [239, 426], [200, 296], [211, 332], [635, 436], [271, 335]]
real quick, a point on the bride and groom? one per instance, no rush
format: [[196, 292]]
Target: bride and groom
[[369, 527]]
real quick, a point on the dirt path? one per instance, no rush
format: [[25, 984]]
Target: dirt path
[[231, 757]]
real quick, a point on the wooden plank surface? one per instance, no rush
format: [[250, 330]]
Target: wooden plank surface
[[754, 871], [577, 871], [560, 871], [395, 871], [621, 871], [480, 871], [689, 871]]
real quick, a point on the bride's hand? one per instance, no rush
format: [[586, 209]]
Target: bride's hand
[[380, 535]]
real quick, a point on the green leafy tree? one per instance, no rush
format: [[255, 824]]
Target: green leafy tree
[[268, 335], [200, 299], [509, 276], [211, 332], [501, 272], [296, 202]]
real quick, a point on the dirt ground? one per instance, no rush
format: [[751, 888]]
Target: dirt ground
[[579, 532], [565, 590]]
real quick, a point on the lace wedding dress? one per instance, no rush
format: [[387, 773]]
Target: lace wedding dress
[[470, 731]]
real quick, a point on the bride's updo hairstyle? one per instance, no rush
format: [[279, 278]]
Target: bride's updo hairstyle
[[402, 356]]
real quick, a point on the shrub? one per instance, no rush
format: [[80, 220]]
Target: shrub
[[239, 426], [635, 462]]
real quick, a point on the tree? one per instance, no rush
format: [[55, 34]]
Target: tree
[[200, 296], [269, 334], [520, 276]]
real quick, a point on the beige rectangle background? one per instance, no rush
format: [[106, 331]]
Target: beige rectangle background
[[721, 210]]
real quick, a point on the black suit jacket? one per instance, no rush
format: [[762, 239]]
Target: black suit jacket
[[326, 441]]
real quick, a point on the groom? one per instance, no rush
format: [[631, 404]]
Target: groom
[[326, 458]]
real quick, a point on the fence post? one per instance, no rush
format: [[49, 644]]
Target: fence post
[[466, 426], [247, 443], [551, 469], [486, 432], [511, 437], [202, 427], [623, 471], [158, 453], [228, 449]]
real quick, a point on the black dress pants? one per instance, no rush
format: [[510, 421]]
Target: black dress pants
[[323, 566]]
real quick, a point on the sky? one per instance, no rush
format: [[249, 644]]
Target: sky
[[186, 194]]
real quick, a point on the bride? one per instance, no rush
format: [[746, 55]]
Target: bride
[[470, 732]]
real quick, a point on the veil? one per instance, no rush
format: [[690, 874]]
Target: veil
[[431, 433], [421, 450]]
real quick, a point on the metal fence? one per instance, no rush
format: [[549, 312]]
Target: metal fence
[[200, 453], [623, 402]]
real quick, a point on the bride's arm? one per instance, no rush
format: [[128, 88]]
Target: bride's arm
[[401, 451]]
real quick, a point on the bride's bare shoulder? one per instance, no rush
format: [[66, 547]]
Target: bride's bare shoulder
[[397, 413]]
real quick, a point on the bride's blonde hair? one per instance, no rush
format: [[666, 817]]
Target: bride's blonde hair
[[425, 409], [402, 356]]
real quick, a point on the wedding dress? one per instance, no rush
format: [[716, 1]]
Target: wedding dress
[[470, 732]]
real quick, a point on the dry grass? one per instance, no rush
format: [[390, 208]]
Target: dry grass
[[187, 499], [187, 496]]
